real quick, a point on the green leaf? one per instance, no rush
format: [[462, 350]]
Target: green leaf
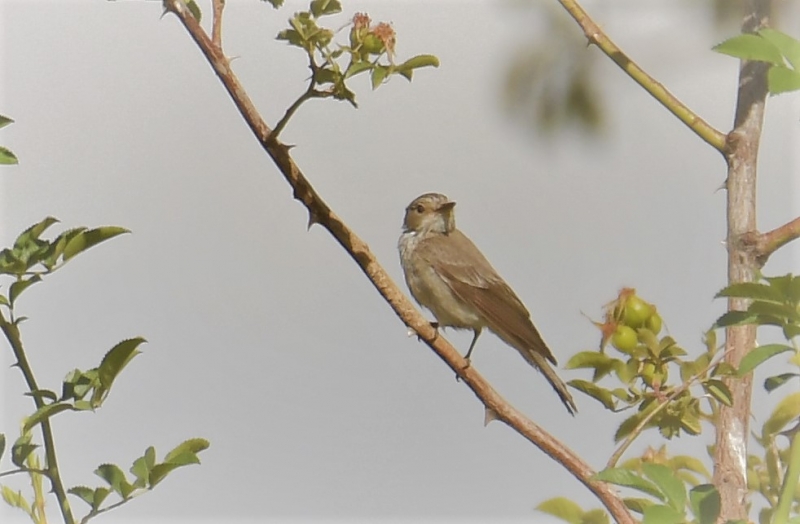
[[114, 362], [99, 495], [21, 449], [758, 355], [44, 394], [142, 466], [419, 61], [587, 359], [705, 503], [750, 47], [595, 516], [192, 446], [602, 395], [44, 413], [357, 67], [752, 290], [668, 483], [325, 7], [21, 285], [735, 318], [90, 238], [562, 508], [378, 75], [788, 46], [4, 121], [782, 80], [275, 3], [15, 499], [84, 493], [7, 157], [718, 390], [2, 444], [786, 411], [115, 478], [658, 514], [194, 9], [637, 504], [627, 478], [774, 382]]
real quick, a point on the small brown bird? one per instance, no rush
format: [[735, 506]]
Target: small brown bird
[[447, 274]]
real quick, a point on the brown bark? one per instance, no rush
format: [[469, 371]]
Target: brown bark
[[732, 426]]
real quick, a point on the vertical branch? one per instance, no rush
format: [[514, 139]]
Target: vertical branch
[[730, 455]]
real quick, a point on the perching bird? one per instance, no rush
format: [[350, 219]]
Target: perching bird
[[447, 274]]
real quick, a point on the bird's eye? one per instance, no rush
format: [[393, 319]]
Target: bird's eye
[[420, 208]]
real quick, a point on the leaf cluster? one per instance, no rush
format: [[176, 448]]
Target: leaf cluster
[[779, 50]]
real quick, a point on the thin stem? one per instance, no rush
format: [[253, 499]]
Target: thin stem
[[11, 331], [640, 427], [596, 36], [307, 95], [359, 251], [765, 244], [790, 480], [216, 27], [115, 505], [24, 470]]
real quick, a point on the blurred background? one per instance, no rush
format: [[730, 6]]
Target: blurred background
[[265, 338]]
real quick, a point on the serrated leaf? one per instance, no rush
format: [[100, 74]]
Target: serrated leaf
[[7, 157], [114, 362], [786, 411], [718, 390], [752, 290], [193, 446], [705, 503], [84, 493], [782, 80], [667, 482], [99, 495], [760, 354], [44, 413], [659, 514], [627, 478], [774, 382], [562, 508], [90, 238], [735, 318], [113, 475], [600, 394], [4, 121], [788, 46], [21, 449], [750, 47]]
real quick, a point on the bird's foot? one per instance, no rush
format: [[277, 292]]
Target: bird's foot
[[465, 366]]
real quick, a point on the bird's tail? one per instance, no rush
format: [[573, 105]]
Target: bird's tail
[[540, 363]]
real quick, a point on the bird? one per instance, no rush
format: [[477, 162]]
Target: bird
[[447, 274]]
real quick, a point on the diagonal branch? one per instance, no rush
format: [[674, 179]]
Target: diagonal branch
[[320, 213], [597, 37]]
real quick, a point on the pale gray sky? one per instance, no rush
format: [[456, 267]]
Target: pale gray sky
[[265, 338]]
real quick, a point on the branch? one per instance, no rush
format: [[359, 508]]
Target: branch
[[11, 331], [320, 213], [763, 245], [216, 27], [597, 37]]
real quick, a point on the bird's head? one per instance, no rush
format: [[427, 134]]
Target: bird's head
[[431, 212]]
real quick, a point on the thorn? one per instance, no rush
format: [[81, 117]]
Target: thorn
[[489, 415], [724, 185], [312, 219], [289, 147]]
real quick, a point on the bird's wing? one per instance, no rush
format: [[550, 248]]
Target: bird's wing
[[476, 282]]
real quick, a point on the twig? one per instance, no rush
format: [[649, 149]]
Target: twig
[[358, 250], [641, 425], [216, 26], [765, 244], [597, 37], [25, 470], [11, 331]]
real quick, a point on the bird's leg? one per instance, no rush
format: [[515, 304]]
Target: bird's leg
[[477, 333]]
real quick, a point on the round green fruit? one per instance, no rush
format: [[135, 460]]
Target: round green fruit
[[624, 338], [636, 312], [654, 323], [373, 44]]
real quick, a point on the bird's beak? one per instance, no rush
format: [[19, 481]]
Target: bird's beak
[[447, 206]]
